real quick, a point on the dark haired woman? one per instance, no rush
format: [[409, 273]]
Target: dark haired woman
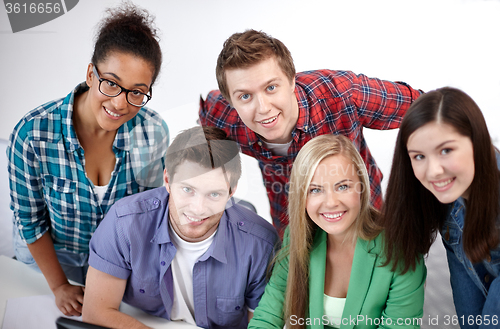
[[445, 178], [72, 158]]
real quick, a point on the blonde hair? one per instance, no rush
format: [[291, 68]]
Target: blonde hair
[[302, 228]]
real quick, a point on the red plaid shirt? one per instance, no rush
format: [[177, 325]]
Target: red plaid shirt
[[330, 102]]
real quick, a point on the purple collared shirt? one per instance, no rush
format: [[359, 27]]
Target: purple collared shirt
[[133, 243]]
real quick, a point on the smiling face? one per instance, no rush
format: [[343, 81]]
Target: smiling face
[[198, 197], [126, 70], [442, 160], [265, 100], [334, 196]]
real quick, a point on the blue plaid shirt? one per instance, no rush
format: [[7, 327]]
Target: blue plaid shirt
[[49, 188]]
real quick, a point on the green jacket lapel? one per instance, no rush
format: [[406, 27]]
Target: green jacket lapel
[[363, 264], [317, 267]]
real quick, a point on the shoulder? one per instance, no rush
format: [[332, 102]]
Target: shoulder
[[140, 203], [148, 119], [215, 110], [43, 122], [324, 76], [147, 116], [376, 247], [251, 224], [149, 127]]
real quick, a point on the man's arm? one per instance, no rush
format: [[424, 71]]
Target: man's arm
[[216, 111], [103, 295], [381, 104]]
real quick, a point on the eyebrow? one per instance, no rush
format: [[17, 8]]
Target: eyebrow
[[437, 147], [264, 84], [221, 191], [336, 184], [118, 78], [347, 180]]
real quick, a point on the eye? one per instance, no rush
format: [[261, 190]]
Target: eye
[[418, 157], [445, 151], [245, 97], [343, 187], [137, 93], [314, 190], [111, 84], [214, 195], [187, 189], [271, 88]]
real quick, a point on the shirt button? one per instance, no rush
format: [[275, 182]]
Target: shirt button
[[305, 128], [237, 308], [260, 143], [155, 202], [241, 223], [141, 291], [487, 278], [162, 263]]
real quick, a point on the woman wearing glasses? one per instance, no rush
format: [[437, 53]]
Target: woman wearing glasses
[[72, 158]]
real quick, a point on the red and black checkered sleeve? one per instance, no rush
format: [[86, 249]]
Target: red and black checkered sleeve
[[381, 104]]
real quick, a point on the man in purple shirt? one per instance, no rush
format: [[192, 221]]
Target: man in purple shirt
[[184, 251]]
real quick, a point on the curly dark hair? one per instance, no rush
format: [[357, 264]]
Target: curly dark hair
[[129, 29]]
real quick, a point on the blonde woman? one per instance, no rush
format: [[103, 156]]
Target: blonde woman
[[329, 272]]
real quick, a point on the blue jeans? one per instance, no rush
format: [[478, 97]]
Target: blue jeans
[[476, 287], [74, 265]]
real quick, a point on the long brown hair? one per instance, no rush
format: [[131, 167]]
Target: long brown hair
[[301, 226], [411, 214]]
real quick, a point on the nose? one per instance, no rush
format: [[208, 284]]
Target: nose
[[263, 105], [198, 205], [434, 168], [332, 199], [120, 102]]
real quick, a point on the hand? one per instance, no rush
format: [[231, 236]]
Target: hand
[[69, 299]]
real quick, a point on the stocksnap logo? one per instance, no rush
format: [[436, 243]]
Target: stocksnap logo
[[25, 15]]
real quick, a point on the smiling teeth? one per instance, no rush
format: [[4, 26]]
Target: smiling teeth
[[442, 184], [269, 120], [111, 113], [337, 215], [193, 219]]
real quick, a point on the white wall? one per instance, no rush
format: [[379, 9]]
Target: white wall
[[426, 43]]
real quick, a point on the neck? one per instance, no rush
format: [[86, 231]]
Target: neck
[[84, 121], [341, 242]]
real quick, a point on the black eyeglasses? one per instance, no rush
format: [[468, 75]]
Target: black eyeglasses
[[112, 89]]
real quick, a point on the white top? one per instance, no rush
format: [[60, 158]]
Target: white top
[[278, 149], [333, 308], [100, 191], [186, 256]]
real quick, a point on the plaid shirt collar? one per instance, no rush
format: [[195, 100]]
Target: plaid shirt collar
[[122, 138]]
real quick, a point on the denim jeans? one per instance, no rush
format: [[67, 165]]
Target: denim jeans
[[74, 265], [476, 287]]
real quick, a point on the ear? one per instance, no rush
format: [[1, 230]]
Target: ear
[[233, 190], [166, 179], [293, 85], [89, 77]]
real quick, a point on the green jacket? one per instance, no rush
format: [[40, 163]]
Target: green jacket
[[376, 297]]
